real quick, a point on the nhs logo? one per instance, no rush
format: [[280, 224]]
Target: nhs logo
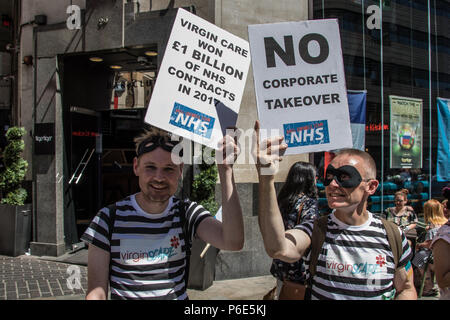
[[191, 120], [306, 133]]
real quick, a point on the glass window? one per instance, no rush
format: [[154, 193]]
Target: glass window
[[410, 61]]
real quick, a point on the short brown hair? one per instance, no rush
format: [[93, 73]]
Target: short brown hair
[[370, 167], [152, 132]]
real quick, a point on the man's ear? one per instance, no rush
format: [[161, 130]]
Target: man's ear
[[372, 186], [135, 165]]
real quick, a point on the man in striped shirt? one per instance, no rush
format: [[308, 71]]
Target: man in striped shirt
[[138, 248], [356, 260]]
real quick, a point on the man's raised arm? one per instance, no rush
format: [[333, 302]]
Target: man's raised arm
[[288, 246]]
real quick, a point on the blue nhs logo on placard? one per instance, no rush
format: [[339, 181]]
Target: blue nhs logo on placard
[[192, 120], [306, 133]]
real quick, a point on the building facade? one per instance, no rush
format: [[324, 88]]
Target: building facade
[[409, 64], [91, 67], [81, 72]]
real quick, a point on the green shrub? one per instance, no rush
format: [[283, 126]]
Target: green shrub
[[204, 186], [15, 168]]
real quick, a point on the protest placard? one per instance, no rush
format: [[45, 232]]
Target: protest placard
[[201, 80], [300, 84]]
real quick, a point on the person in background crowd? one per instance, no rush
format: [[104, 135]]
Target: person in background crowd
[[446, 209], [446, 192], [402, 215], [140, 246], [441, 253], [297, 201], [434, 218], [354, 236]]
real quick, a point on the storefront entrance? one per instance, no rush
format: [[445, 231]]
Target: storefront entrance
[[105, 95], [101, 162]]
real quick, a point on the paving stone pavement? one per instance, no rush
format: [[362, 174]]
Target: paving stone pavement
[[27, 277], [35, 278]]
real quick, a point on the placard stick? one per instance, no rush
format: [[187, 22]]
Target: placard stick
[[204, 250]]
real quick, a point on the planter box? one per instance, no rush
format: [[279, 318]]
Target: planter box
[[15, 229]]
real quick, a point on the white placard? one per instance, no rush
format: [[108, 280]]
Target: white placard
[[218, 214], [201, 81], [300, 84]]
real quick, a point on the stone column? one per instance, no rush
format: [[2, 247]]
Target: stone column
[[48, 188]]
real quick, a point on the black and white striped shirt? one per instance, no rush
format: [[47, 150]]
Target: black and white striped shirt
[[356, 262], [148, 251]]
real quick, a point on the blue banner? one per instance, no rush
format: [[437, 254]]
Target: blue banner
[[357, 109], [443, 150]]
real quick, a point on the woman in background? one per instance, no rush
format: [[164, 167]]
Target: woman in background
[[441, 254], [434, 218], [403, 215]]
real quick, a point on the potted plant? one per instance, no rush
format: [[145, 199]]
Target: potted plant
[[15, 215]]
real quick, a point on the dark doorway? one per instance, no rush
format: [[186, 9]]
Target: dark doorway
[[85, 163], [104, 109]]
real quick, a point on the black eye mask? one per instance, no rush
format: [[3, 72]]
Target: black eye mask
[[353, 180]]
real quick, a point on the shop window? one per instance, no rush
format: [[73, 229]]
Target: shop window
[[405, 34]]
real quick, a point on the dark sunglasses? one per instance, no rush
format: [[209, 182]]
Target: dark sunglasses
[[345, 176], [154, 142]]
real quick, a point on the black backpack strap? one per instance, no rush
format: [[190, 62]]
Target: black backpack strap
[[187, 239], [112, 217], [317, 239], [394, 239]]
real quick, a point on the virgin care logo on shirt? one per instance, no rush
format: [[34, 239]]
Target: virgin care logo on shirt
[[150, 249], [357, 265]]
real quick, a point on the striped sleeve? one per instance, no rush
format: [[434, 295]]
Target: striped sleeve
[[97, 233], [195, 214]]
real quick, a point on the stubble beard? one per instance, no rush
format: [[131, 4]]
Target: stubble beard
[[148, 196]]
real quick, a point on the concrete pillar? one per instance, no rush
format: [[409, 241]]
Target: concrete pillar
[[235, 16], [45, 106], [49, 208]]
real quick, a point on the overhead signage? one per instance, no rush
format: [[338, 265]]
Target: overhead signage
[[300, 84], [201, 81]]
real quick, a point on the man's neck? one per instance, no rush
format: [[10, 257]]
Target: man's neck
[[357, 217], [150, 206]]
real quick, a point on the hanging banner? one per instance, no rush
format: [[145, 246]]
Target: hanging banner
[[357, 109], [201, 81], [300, 84], [406, 132], [443, 150]]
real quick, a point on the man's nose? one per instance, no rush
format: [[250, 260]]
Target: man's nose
[[334, 183], [159, 175]]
